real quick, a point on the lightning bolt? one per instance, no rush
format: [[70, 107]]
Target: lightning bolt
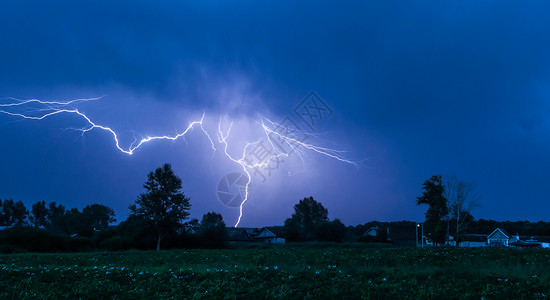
[[293, 143], [19, 108], [52, 108]]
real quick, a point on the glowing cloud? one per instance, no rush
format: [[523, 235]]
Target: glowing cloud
[[24, 109]]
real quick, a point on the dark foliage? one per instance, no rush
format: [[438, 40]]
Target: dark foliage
[[117, 243], [164, 205], [308, 215], [212, 231], [433, 195], [34, 240], [39, 214], [331, 231], [139, 230], [13, 213]]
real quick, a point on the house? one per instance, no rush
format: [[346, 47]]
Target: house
[[543, 240], [473, 240], [373, 232], [498, 238], [376, 233], [532, 242], [238, 235], [241, 234], [526, 244], [190, 229], [272, 235], [267, 235]]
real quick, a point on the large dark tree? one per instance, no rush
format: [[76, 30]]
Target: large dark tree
[[20, 214], [7, 212], [461, 201], [14, 213], [331, 231], [56, 218], [164, 204], [436, 214], [139, 230], [73, 222], [2, 222], [97, 217], [212, 231], [39, 214], [308, 215]]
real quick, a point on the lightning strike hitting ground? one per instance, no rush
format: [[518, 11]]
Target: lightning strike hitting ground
[[19, 108]]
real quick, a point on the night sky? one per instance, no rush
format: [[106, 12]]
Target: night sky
[[415, 89]]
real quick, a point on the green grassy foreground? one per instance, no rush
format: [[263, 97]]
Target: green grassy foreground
[[284, 272]]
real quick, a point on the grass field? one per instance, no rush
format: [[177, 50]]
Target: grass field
[[281, 272]]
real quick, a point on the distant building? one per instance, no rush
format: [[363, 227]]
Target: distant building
[[498, 238], [473, 240], [238, 235], [268, 236], [190, 229], [272, 235], [371, 232], [376, 234]]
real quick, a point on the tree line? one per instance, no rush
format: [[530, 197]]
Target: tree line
[[55, 218], [158, 217]]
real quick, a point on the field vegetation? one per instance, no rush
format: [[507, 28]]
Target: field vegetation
[[293, 271]]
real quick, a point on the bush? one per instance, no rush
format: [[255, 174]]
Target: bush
[[33, 240], [212, 231], [80, 244], [8, 249], [116, 243], [331, 231]]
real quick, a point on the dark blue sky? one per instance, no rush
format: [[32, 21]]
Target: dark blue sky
[[416, 89]]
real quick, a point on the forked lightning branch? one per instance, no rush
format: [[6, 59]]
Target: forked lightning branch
[[34, 109]]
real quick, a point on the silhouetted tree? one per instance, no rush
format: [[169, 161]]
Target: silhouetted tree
[[14, 213], [39, 214], [140, 230], [73, 222], [96, 217], [20, 214], [292, 229], [194, 222], [2, 221], [56, 218], [461, 200], [308, 214], [434, 196], [331, 231], [164, 204], [7, 212], [212, 231]]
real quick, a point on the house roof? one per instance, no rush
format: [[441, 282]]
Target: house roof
[[496, 231], [374, 228], [249, 234], [236, 234], [265, 233], [277, 230], [474, 238], [527, 244], [542, 239]]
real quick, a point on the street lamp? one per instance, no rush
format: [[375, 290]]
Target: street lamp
[[416, 228]]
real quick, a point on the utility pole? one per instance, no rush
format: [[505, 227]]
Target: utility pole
[[422, 235]]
